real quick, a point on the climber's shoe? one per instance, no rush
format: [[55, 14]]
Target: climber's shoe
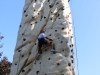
[[53, 51], [38, 56]]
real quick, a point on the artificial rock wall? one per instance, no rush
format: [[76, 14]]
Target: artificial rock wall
[[55, 17]]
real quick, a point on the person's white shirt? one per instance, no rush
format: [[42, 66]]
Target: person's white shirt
[[42, 35]]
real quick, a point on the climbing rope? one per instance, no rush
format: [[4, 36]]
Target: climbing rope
[[75, 41]]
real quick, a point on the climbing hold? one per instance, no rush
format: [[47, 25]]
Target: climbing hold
[[50, 35], [24, 39], [61, 41], [58, 64], [31, 24], [36, 22], [19, 50], [35, 43], [37, 72], [20, 26], [71, 36], [72, 45], [15, 63], [35, 0], [58, 14], [34, 10], [40, 63], [29, 70], [72, 50], [69, 64], [49, 58], [23, 70], [50, 6], [55, 30], [71, 56], [22, 34], [48, 0], [32, 17], [51, 12], [24, 11], [22, 55], [45, 49], [72, 61], [44, 17], [72, 69], [58, 18], [62, 8], [62, 50], [29, 52], [45, 74], [26, 15], [63, 28], [57, 3], [50, 18], [70, 23], [58, 38]]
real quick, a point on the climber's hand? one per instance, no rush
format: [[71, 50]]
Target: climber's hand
[[50, 39]]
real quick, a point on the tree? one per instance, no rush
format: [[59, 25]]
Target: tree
[[1, 37], [4, 65]]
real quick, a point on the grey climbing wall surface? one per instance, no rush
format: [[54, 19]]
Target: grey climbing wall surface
[[55, 17]]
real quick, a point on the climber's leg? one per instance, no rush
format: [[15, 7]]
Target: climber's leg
[[52, 46], [41, 42], [39, 46], [39, 50]]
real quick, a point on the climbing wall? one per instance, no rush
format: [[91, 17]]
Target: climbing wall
[[55, 17]]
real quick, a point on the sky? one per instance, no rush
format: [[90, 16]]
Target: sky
[[86, 21]]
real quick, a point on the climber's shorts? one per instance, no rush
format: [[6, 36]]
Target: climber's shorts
[[42, 41]]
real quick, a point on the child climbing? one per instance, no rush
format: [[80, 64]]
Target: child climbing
[[43, 39]]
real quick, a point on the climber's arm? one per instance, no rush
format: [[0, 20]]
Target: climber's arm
[[49, 39], [46, 37]]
